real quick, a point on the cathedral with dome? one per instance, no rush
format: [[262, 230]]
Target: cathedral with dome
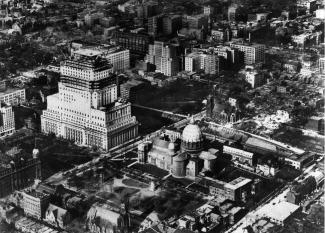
[[182, 154]]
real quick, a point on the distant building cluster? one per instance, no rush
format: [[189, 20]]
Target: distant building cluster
[[201, 61], [255, 74], [253, 53], [164, 57]]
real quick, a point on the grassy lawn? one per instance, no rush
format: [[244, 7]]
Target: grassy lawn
[[171, 203], [134, 183], [125, 191], [151, 169], [180, 181]]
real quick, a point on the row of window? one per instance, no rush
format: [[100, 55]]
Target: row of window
[[86, 74], [116, 114]]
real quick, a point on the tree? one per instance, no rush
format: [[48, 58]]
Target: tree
[[76, 181], [52, 136], [282, 35], [316, 214], [94, 148]]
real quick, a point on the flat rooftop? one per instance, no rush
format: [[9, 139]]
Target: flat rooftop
[[93, 51], [252, 141], [194, 54], [133, 82], [301, 157], [9, 90], [207, 181], [89, 52], [235, 210], [37, 194], [206, 208], [239, 43], [281, 211], [237, 183], [240, 151]]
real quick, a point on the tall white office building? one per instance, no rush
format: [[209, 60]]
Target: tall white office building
[[12, 96], [7, 120], [165, 58], [202, 61], [253, 53], [86, 109]]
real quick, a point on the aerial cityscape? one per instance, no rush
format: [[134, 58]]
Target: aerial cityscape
[[162, 116]]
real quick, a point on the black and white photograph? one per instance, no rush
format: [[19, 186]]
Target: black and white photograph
[[162, 116]]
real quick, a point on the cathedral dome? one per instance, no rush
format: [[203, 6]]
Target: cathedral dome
[[192, 133], [192, 139]]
